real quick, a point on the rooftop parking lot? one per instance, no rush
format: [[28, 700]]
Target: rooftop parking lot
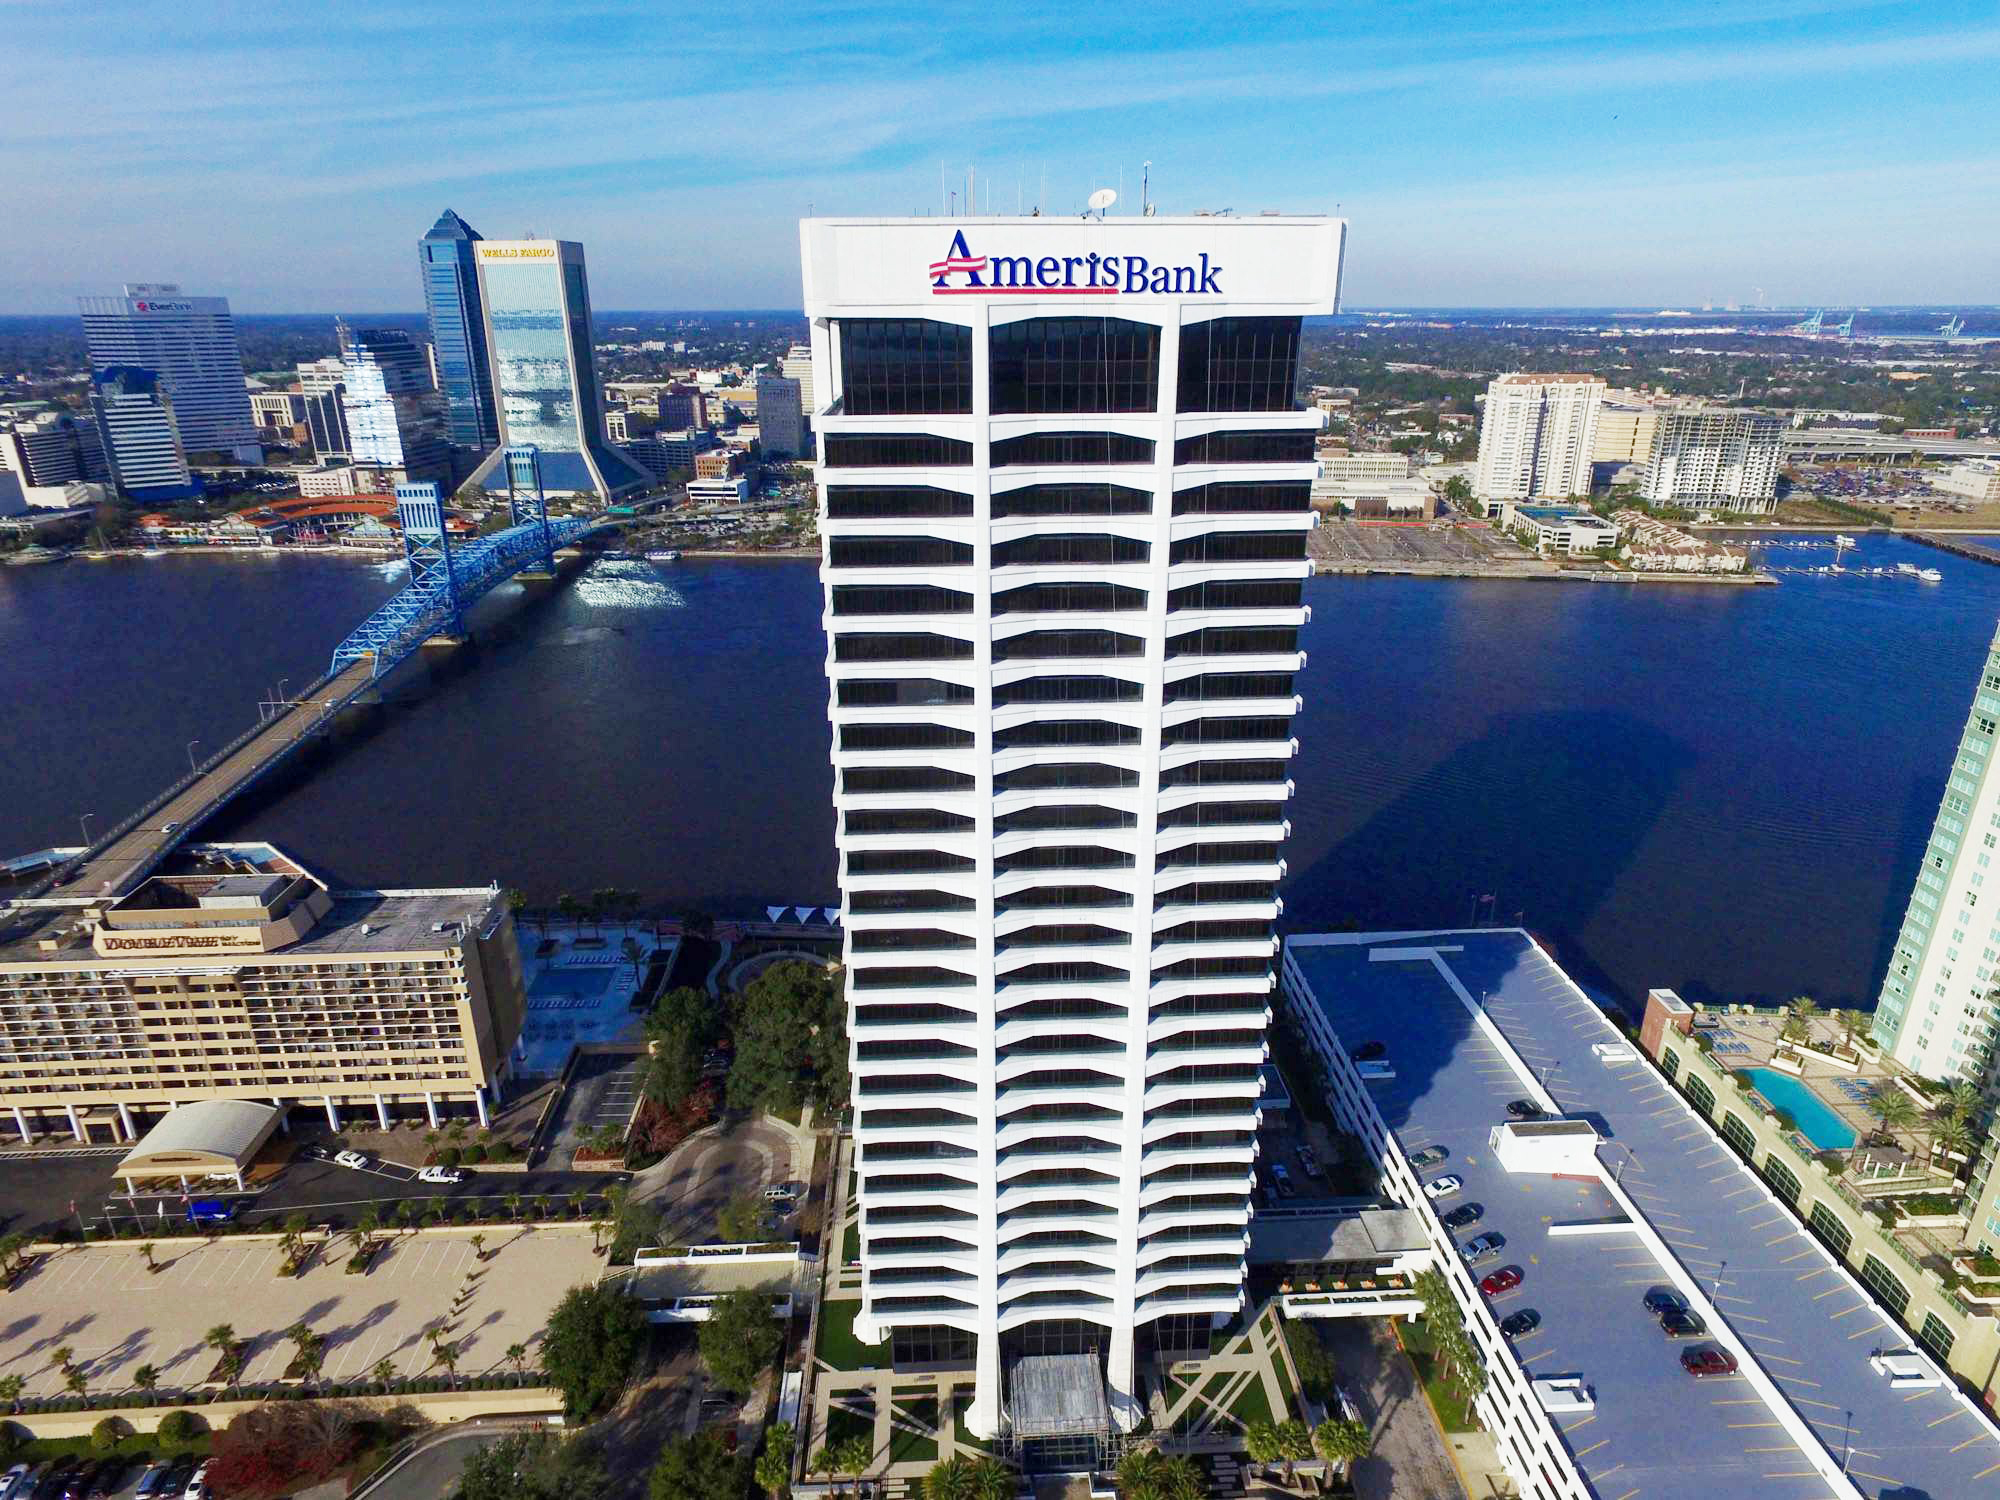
[[115, 1316], [1655, 1428]]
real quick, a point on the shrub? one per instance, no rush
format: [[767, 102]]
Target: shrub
[[449, 1156], [473, 1154], [108, 1434]]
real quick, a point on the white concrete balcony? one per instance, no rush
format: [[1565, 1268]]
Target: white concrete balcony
[[1182, 621], [1110, 1093], [1158, 1283], [1169, 953], [1132, 799], [966, 1195], [1235, 1114], [1083, 1192], [1128, 955], [907, 1093], [956, 1260], [1233, 1242], [968, 1134], [1103, 1028], [1280, 789], [913, 994], [1155, 1220], [1163, 991], [1160, 1094], [1094, 1310], [1166, 877], [1165, 917], [1015, 1259], [1012, 1134], [1120, 906], [1089, 1052], [967, 1032], [1172, 757], [1159, 1190], [1164, 1303], [1160, 1158], [1163, 1027], [1205, 1055], [1020, 1283]]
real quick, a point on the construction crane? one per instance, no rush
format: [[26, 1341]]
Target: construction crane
[[1953, 327], [1811, 325]]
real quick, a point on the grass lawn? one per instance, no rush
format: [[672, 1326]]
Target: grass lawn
[[906, 1447], [1454, 1413], [960, 1405], [841, 1425], [837, 1344], [1253, 1405], [850, 1245], [1285, 1385]]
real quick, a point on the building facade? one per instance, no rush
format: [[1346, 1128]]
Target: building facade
[[1720, 457], [458, 331], [1537, 436], [263, 986], [781, 421], [1976, 479], [137, 421], [798, 365], [190, 343], [1064, 496], [52, 451], [536, 299], [394, 419]]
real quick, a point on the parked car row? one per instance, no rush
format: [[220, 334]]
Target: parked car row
[[1679, 1321], [93, 1479]]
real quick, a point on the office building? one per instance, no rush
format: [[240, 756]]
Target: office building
[[279, 415], [661, 454], [1626, 421], [1634, 1184], [798, 365], [137, 421], [319, 376], [535, 297], [190, 344], [719, 489], [1064, 496], [326, 424], [458, 331], [1536, 437], [781, 423], [1714, 457], [260, 986], [395, 420], [1975, 479], [50, 454], [683, 408]]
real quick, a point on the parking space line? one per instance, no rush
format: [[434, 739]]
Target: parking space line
[[1971, 1440]]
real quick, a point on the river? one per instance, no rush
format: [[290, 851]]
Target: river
[[1722, 790]]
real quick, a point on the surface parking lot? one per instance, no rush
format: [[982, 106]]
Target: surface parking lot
[[115, 1316], [1337, 542]]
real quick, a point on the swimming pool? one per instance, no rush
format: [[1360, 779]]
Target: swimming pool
[[1816, 1120], [570, 984]]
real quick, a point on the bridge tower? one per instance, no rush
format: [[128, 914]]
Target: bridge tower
[[527, 501], [427, 546]]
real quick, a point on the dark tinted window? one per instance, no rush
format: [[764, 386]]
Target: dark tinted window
[[916, 646], [1075, 365], [1073, 500], [1233, 731], [1078, 448], [898, 599], [1070, 548], [905, 820], [1224, 499], [857, 780], [1214, 685], [904, 862], [1067, 690], [866, 692], [896, 552], [1236, 593], [1212, 815], [1057, 732], [1061, 598], [1221, 773], [1063, 816], [1065, 857], [1238, 546], [1063, 774], [1239, 364], [1049, 643], [864, 502], [895, 367], [1253, 447], [903, 737], [1234, 640], [893, 450], [888, 901]]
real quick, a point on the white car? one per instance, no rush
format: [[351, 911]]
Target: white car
[[440, 1174], [197, 1484], [13, 1481], [352, 1159], [780, 1194], [1443, 1187]]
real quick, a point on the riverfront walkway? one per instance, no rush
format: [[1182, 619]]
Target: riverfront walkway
[[128, 857]]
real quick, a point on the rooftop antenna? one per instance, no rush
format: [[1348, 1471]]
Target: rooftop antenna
[[1146, 191], [1102, 199]]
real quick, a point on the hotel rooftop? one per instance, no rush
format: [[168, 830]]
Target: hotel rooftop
[[1474, 1020]]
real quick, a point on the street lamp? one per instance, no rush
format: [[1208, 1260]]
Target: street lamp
[[283, 683], [83, 822], [193, 769]]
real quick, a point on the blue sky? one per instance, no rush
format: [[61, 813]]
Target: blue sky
[[1496, 154]]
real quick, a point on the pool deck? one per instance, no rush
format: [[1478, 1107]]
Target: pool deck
[[1818, 1120], [559, 1018], [1747, 1040]]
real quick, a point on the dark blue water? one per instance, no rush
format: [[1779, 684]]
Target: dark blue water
[[1721, 790]]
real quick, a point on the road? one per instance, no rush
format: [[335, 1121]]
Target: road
[[1410, 1461], [118, 866], [695, 1180], [432, 1472]]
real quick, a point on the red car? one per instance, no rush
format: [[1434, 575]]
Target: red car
[[1711, 1361], [1503, 1280]]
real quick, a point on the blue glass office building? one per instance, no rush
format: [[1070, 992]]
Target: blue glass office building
[[458, 330]]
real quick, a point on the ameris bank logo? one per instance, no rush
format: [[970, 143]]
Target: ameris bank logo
[[963, 274]]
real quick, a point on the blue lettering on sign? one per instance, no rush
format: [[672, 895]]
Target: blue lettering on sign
[[962, 274]]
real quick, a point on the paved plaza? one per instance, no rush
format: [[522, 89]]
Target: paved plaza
[[115, 1316]]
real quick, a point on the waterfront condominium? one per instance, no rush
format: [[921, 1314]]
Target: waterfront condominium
[[190, 343], [1536, 437], [1714, 456], [1065, 491], [536, 300], [458, 330]]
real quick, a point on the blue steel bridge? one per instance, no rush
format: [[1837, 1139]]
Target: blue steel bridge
[[447, 578]]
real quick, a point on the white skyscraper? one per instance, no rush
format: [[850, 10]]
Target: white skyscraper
[[1720, 456], [1065, 491], [395, 417], [1536, 437], [798, 365], [190, 343]]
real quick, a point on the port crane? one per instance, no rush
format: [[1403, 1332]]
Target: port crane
[[1846, 329], [1812, 324], [1953, 327]]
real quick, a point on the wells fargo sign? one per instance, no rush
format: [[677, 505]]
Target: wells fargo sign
[[517, 252]]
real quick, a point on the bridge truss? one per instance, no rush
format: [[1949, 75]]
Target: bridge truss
[[448, 577]]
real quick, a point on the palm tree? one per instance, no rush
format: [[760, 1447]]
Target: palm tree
[[1139, 1474], [1294, 1443], [478, 1242], [147, 1251], [1260, 1441], [76, 1380], [1893, 1108], [1962, 1099], [517, 1356], [1342, 1440], [950, 1479], [447, 1355], [222, 1339], [1949, 1137], [11, 1387], [514, 1202], [384, 1371], [991, 1480], [1852, 1023], [773, 1471], [146, 1378], [1182, 1479], [822, 1462], [854, 1456]]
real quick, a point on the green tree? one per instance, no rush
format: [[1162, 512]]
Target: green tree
[[1294, 1443], [146, 1378], [739, 1339], [681, 1029], [534, 1464], [744, 1220], [697, 1468], [11, 1387], [1343, 1440], [177, 1429], [1182, 1478], [1950, 1137], [517, 1356], [1260, 1441], [991, 1480], [108, 1434], [1892, 1107], [773, 1469], [1140, 1474], [1852, 1023], [791, 1040], [949, 1479], [383, 1371], [588, 1348], [853, 1457]]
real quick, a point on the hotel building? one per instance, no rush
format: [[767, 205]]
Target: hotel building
[[1536, 438], [536, 299], [256, 984], [1064, 491]]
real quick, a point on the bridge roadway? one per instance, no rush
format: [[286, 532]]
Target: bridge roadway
[[129, 857]]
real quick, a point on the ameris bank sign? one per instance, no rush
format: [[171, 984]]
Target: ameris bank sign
[[963, 274]]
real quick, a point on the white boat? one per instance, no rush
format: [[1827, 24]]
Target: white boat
[[1907, 568], [1841, 540], [1930, 575], [663, 554]]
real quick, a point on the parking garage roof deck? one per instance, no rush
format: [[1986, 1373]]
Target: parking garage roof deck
[[1655, 1430]]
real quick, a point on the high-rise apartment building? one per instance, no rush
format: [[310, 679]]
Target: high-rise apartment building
[[458, 330], [51, 452], [682, 408], [190, 343], [137, 421], [781, 423], [536, 300], [1064, 490], [1536, 437], [798, 365], [395, 420], [1714, 456]]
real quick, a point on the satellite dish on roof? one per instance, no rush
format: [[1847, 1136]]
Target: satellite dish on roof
[[1102, 199]]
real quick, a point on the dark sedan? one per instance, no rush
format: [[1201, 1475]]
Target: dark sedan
[[1679, 1324], [1464, 1216], [1708, 1361], [1526, 1321]]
